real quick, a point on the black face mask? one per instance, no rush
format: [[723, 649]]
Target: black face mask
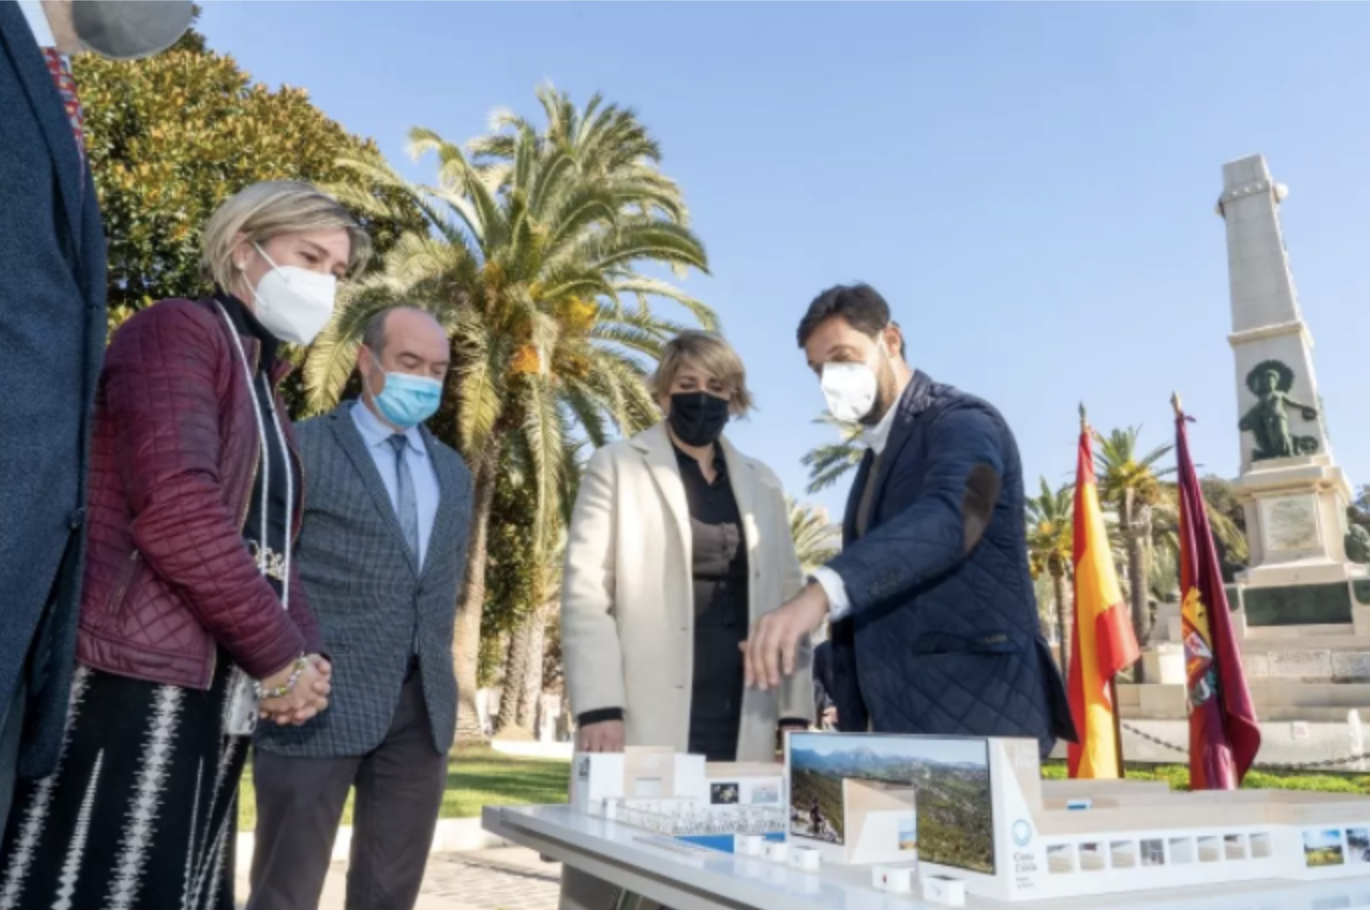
[[698, 418]]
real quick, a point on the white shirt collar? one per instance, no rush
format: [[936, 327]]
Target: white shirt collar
[[38, 22], [878, 435]]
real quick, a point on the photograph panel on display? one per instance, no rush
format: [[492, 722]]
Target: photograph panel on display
[[1358, 846], [1181, 851], [724, 794], [1234, 846], [766, 794], [1210, 849], [1060, 859], [949, 775], [1153, 852], [1323, 848], [1123, 854]]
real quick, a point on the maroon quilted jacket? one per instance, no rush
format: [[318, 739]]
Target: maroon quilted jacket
[[174, 458]]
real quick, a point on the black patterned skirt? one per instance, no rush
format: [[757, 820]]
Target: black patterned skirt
[[142, 809]]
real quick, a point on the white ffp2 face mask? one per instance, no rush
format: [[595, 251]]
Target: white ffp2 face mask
[[294, 304], [850, 390]]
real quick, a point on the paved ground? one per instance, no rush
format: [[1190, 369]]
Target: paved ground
[[508, 879]]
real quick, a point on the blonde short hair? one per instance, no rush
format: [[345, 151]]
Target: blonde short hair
[[709, 352], [264, 210]]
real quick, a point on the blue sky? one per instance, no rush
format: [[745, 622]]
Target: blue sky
[[1032, 187], [967, 751]]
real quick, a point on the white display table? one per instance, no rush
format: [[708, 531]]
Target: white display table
[[686, 878]]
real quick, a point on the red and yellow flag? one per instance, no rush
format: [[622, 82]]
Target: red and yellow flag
[[1101, 642]]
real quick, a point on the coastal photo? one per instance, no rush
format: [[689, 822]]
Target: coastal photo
[[950, 776], [1323, 848]]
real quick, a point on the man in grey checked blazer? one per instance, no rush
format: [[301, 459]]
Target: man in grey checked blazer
[[381, 552]]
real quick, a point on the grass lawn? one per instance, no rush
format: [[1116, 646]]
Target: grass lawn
[[476, 777], [1178, 778]]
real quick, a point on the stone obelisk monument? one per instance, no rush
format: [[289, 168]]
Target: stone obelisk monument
[[1294, 493], [1302, 608]]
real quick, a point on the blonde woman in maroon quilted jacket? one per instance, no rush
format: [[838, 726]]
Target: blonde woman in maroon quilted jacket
[[193, 623]]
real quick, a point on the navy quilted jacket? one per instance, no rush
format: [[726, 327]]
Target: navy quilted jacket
[[943, 635]]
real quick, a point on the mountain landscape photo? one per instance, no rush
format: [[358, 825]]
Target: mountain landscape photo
[[950, 776]]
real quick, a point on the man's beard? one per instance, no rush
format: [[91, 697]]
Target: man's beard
[[886, 394]]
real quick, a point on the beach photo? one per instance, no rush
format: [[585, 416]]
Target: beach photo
[[949, 775], [1323, 848]]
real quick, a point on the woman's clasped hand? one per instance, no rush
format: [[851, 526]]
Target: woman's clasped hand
[[306, 698]]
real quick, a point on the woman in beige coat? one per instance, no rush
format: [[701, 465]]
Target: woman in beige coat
[[678, 544]]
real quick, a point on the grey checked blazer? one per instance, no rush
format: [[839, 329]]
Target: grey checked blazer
[[367, 595]]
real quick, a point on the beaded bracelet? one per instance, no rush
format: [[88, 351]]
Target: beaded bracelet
[[301, 664]]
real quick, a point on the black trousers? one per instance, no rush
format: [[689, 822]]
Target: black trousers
[[300, 803]]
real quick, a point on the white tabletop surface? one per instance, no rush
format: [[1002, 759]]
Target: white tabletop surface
[[687, 878]]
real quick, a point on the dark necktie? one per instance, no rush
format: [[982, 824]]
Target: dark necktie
[[66, 87], [406, 508]]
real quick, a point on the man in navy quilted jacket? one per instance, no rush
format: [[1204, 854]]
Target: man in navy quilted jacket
[[934, 620]]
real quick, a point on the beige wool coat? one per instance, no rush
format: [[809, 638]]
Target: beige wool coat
[[627, 602]]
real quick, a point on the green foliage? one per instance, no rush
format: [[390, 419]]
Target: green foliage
[[830, 462], [171, 136], [528, 270], [1121, 467], [1178, 778], [1051, 529], [815, 539]]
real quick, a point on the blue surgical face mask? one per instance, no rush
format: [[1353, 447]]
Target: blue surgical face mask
[[407, 401]]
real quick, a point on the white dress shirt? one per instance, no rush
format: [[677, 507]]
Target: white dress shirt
[[876, 438], [38, 22], [376, 435]]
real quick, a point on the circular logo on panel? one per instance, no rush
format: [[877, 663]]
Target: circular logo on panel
[[1022, 832]]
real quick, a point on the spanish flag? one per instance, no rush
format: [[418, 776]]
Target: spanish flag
[[1102, 642]]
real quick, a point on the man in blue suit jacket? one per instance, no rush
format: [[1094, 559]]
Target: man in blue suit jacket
[[52, 338], [934, 619]]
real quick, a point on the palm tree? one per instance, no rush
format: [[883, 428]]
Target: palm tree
[[830, 462], [1051, 543], [1131, 484], [529, 273], [608, 143], [815, 539]]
